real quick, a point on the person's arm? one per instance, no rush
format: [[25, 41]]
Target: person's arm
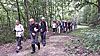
[[22, 28], [47, 26], [14, 29], [32, 30]]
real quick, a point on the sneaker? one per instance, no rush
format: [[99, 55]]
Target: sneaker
[[18, 47], [43, 44], [32, 52]]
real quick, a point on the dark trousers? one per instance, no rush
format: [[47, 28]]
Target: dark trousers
[[19, 41], [43, 38], [54, 29]]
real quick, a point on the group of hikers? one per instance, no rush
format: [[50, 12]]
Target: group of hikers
[[35, 28], [41, 27], [63, 26]]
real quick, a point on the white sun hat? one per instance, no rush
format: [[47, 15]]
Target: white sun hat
[[31, 19]]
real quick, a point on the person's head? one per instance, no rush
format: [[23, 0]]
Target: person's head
[[31, 21], [58, 21], [43, 18], [53, 21], [17, 22]]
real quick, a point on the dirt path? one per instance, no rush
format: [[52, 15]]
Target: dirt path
[[56, 46]]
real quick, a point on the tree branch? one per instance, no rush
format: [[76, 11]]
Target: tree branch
[[91, 3]]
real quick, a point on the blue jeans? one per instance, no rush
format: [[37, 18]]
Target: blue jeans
[[19, 41], [34, 40], [43, 37]]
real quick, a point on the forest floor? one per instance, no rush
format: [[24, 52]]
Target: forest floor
[[57, 45]]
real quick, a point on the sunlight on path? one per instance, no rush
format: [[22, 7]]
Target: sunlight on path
[[80, 26]]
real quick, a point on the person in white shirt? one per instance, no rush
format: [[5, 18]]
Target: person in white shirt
[[19, 34], [54, 26]]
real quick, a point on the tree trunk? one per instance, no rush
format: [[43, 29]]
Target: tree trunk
[[23, 19], [8, 18], [62, 10], [51, 13], [55, 9], [99, 11], [34, 9], [27, 11], [37, 16], [18, 11]]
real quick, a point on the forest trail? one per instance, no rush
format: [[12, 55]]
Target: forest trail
[[56, 46]]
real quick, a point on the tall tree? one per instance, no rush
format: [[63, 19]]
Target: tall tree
[[8, 18], [27, 10], [18, 11]]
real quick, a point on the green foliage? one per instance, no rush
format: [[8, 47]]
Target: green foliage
[[8, 36], [90, 39], [90, 15]]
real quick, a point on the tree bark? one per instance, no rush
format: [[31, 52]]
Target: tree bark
[[62, 10], [99, 11], [51, 13], [18, 11], [27, 11], [8, 18]]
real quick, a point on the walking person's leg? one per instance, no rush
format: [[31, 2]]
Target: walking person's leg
[[19, 42], [41, 37], [33, 44], [44, 38], [36, 40]]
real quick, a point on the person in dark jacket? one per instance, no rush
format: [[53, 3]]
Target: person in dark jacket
[[43, 30], [34, 29], [69, 24]]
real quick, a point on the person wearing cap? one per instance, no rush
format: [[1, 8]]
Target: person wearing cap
[[34, 29], [19, 34], [43, 30]]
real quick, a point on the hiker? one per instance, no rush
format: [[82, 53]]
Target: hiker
[[43, 30], [54, 27], [34, 29], [66, 25], [74, 24], [19, 34], [69, 25], [59, 27]]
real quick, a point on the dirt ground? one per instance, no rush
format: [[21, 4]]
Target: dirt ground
[[56, 46]]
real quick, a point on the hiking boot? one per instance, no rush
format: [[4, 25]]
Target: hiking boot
[[17, 51]]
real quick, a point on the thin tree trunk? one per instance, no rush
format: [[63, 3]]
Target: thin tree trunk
[[8, 18], [34, 9], [62, 10], [99, 11], [44, 7], [55, 9], [23, 19], [27, 11], [18, 11], [37, 16], [51, 13]]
